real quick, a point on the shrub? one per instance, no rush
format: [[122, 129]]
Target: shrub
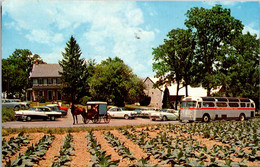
[[42, 99], [84, 100], [8, 114]]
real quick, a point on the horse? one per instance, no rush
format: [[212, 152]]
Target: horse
[[78, 111]]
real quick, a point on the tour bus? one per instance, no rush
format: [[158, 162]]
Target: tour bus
[[216, 108]]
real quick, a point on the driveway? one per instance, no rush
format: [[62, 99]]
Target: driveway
[[67, 121]]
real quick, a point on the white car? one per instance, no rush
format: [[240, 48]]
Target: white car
[[164, 115], [146, 112], [37, 113], [116, 112]]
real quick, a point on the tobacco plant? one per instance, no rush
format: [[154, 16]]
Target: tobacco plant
[[98, 156], [66, 151], [34, 153]]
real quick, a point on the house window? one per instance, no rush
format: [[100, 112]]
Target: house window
[[50, 81], [40, 93], [50, 97], [59, 95], [58, 81], [40, 81]]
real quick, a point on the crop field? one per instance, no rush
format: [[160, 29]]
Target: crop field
[[218, 143]]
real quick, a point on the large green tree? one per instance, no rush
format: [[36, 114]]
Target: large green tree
[[114, 82], [174, 60], [241, 68], [74, 74], [214, 30], [16, 71]]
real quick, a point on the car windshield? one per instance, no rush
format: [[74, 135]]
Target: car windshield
[[32, 109], [188, 104]]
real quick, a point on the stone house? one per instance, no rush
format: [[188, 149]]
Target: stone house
[[156, 94], [46, 82]]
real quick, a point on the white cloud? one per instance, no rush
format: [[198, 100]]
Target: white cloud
[[107, 28], [250, 28]]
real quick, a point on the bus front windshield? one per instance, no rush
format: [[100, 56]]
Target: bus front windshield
[[189, 104]]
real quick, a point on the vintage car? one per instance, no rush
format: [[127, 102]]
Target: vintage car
[[60, 107], [6, 103], [24, 105], [116, 112], [164, 115], [56, 108], [37, 113], [146, 112]]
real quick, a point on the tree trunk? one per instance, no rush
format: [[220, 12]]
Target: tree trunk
[[177, 94], [186, 87]]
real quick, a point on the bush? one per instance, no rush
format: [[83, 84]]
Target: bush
[[145, 100], [8, 114], [42, 99], [84, 100]]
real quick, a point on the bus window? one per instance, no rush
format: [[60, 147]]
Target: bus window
[[233, 104], [188, 104], [222, 104], [252, 105], [233, 100], [248, 105], [242, 104], [208, 104], [221, 99], [199, 104]]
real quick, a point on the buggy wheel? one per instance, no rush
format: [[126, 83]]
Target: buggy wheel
[[107, 119], [96, 119]]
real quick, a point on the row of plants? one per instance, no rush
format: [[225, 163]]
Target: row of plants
[[118, 146], [14, 144], [183, 151], [66, 151], [33, 154], [98, 156]]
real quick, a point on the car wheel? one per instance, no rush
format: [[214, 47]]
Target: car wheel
[[52, 118], [206, 118], [126, 116], [242, 117], [16, 108], [28, 118], [164, 118]]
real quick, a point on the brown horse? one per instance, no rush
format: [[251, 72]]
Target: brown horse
[[77, 111]]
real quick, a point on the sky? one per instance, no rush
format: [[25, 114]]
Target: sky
[[126, 29]]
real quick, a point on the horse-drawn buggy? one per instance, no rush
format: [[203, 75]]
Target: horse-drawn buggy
[[96, 111]]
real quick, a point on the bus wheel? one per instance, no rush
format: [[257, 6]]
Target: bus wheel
[[242, 117], [205, 118]]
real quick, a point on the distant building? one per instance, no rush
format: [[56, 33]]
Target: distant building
[[156, 94], [46, 82]]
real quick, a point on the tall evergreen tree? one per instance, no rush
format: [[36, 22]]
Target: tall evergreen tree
[[166, 98], [73, 74]]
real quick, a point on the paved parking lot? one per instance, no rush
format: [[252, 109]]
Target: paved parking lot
[[68, 122]]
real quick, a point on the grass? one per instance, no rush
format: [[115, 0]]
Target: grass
[[8, 114], [8, 131]]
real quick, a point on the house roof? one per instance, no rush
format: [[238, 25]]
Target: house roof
[[45, 70]]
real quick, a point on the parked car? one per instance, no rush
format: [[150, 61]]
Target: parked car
[[37, 113], [146, 112], [56, 108], [24, 105], [116, 112], [60, 107], [6, 103], [164, 115]]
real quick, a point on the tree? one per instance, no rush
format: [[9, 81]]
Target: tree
[[74, 72], [16, 71], [114, 81], [166, 98], [241, 68], [174, 61], [214, 29]]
